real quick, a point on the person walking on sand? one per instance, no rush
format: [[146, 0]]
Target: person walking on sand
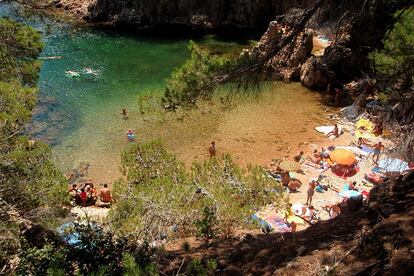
[[311, 191], [378, 147], [212, 149]]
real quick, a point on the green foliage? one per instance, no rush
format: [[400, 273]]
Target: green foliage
[[197, 268], [395, 63], [46, 260], [211, 265], [20, 46], [160, 197], [30, 184], [186, 246], [206, 226], [191, 81], [131, 268], [98, 253]]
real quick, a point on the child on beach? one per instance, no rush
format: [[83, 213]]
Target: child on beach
[[130, 135]]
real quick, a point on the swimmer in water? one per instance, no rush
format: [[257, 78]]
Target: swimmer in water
[[72, 73], [124, 113], [89, 70]]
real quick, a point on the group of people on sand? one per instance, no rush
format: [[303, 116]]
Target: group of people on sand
[[321, 160], [87, 195]]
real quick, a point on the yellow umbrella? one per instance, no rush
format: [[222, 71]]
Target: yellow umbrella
[[343, 157], [289, 166]]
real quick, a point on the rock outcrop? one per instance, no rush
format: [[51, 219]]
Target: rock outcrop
[[141, 14], [314, 74], [286, 64]]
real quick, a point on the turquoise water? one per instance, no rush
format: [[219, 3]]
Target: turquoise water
[[79, 117]]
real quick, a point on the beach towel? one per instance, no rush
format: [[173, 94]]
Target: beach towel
[[296, 219], [365, 135], [262, 223], [365, 124], [393, 165], [367, 149], [277, 223], [349, 194], [355, 150], [326, 129], [271, 221]]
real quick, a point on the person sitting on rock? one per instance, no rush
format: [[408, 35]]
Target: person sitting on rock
[[83, 197], [105, 197], [92, 195], [74, 194]]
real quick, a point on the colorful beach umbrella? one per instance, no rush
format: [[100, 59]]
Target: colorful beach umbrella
[[343, 157], [289, 166]]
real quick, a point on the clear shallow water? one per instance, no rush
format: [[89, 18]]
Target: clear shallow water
[[80, 117]]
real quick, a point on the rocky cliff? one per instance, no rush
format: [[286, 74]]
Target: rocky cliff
[[244, 14]]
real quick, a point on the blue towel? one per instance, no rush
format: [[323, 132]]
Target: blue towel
[[377, 170], [367, 149]]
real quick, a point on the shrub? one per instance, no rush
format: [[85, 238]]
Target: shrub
[[98, 252], [395, 63], [186, 246], [197, 268], [207, 225], [160, 197]]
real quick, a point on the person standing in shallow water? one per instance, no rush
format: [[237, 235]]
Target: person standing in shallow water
[[212, 149], [124, 113], [130, 135]]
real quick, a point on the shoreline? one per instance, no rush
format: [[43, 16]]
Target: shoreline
[[255, 132]]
